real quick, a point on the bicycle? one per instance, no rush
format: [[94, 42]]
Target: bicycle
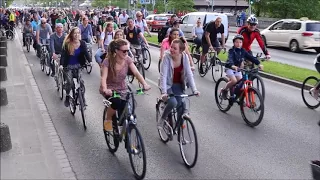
[[175, 125], [308, 84], [146, 57], [58, 77], [76, 98], [212, 62], [28, 41], [255, 75], [195, 54], [243, 94], [140, 68], [45, 59], [88, 65], [9, 32], [123, 126]]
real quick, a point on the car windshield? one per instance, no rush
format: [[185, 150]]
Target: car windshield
[[313, 27], [160, 18]]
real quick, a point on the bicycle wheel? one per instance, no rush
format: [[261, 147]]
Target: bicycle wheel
[[257, 82], [249, 100], [221, 83], [159, 64], [88, 68], [42, 62], [113, 146], [82, 108], [10, 35], [193, 54], [141, 70], [216, 70], [185, 133], [159, 110], [47, 65], [306, 93], [204, 68], [60, 80], [146, 58], [137, 150], [73, 102]]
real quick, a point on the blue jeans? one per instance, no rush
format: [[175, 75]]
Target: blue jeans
[[175, 102], [98, 55]]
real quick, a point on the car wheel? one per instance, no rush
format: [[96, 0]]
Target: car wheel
[[317, 49], [265, 41], [294, 46]]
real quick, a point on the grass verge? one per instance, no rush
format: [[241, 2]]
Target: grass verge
[[271, 67]]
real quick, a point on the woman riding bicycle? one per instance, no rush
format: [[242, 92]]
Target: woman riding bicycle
[[236, 57], [315, 90], [114, 72], [74, 55], [174, 74]]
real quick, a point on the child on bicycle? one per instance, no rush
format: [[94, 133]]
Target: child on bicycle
[[236, 57], [315, 90]]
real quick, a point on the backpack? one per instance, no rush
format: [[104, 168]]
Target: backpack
[[162, 33], [125, 32]]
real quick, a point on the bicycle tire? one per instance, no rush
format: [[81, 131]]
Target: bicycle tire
[[141, 149], [142, 72], [304, 85], [158, 117], [42, 63], [88, 69], [217, 95], [180, 132], [82, 108], [192, 51], [205, 69], [261, 108], [73, 102], [107, 134], [219, 70], [147, 63], [60, 79], [47, 65], [262, 88], [159, 64]]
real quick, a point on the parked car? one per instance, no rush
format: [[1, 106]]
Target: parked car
[[296, 34], [190, 20], [156, 21]]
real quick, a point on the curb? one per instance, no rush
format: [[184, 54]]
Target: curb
[[58, 148], [265, 75]]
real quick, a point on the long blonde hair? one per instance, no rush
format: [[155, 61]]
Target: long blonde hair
[[118, 31], [111, 56], [67, 45]]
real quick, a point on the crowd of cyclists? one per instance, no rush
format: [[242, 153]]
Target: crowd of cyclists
[[67, 35]]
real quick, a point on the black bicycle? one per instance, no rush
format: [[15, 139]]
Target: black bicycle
[[125, 129], [88, 64], [178, 125], [28, 41], [138, 63], [76, 97], [308, 86], [45, 59], [146, 57], [212, 62]]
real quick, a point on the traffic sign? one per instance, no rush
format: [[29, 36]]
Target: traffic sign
[[145, 1]]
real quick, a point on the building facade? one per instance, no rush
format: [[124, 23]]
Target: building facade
[[225, 6]]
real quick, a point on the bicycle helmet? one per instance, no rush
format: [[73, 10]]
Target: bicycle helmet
[[317, 63], [238, 36], [252, 20]]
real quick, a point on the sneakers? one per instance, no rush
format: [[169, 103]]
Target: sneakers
[[107, 126], [314, 93]]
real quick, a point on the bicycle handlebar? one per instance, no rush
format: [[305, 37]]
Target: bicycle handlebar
[[182, 95], [139, 91]]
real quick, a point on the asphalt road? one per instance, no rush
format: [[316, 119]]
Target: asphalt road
[[302, 59], [281, 147]]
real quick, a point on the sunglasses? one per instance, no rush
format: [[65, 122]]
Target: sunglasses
[[252, 24], [43, 22], [139, 16], [124, 51]]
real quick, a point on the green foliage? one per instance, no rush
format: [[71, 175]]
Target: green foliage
[[181, 5], [288, 8], [104, 3]]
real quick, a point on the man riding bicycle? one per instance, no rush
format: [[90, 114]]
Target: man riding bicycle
[[250, 33], [56, 41], [43, 34]]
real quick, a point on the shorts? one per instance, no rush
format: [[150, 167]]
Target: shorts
[[117, 104], [205, 47], [232, 73]]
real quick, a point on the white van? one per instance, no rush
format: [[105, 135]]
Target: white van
[[190, 20]]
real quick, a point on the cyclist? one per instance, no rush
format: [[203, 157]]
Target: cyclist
[[197, 33], [73, 56], [106, 37], [236, 56], [315, 90], [250, 33], [27, 31], [61, 20], [123, 19], [110, 20], [35, 23], [43, 34], [141, 23], [132, 34], [175, 73], [176, 24], [86, 30], [12, 19], [210, 40], [114, 72], [56, 41]]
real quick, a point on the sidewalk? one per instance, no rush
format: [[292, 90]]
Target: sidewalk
[[37, 152]]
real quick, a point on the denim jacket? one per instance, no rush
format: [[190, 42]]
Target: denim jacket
[[167, 70], [237, 55]]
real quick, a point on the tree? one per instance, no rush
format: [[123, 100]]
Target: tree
[[104, 3], [181, 5]]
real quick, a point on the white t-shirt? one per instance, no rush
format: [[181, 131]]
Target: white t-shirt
[[142, 24], [109, 37], [123, 19]]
